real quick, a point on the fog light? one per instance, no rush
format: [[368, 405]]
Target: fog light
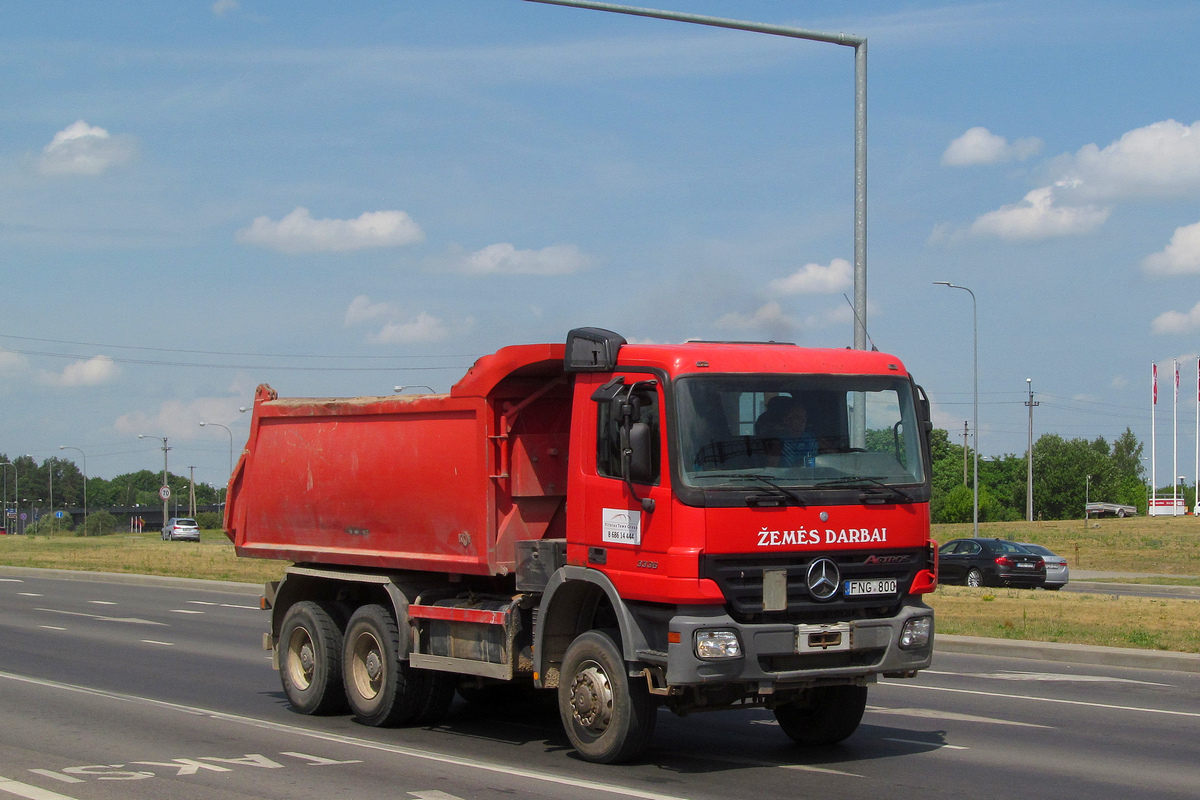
[[916, 633], [718, 644]]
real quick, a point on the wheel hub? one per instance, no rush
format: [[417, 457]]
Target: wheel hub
[[591, 698]]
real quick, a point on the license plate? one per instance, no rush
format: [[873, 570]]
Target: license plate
[[869, 586], [1022, 565]]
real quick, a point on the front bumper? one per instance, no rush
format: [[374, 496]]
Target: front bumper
[[773, 657]]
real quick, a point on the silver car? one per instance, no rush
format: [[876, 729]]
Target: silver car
[[181, 528], [1057, 573]]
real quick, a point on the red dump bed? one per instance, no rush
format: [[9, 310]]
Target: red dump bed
[[443, 482]]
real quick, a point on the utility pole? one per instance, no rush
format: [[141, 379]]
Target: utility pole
[[192, 492], [966, 433], [1029, 455]]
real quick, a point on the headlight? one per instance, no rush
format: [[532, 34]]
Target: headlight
[[916, 633], [717, 644]]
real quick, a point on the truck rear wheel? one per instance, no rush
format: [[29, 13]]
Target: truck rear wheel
[[824, 715], [383, 690], [310, 648], [609, 718]]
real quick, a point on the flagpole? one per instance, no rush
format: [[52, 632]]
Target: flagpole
[[1175, 444], [1153, 440]]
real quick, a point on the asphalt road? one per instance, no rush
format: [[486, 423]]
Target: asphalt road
[[130, 691]]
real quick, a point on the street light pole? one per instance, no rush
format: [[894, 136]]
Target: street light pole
[[219, 425], [68, 447], [975, 328], [1029, 457], [165, 495], [16, 489]]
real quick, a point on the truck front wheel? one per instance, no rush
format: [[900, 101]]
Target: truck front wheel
[[382, 690], [609, 717], [310, 646], [824, 715]]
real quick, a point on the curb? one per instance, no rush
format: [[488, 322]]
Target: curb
[[942, 643], [1069, 653], [132, 579]]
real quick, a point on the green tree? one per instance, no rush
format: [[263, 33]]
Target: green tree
[[99, 523]]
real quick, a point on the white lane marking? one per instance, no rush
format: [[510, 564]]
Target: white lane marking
[[201, 602], [938, 745], [58, 776], [102, 618], [52, 627], [28, 594], [434, 795], [222, 605], [186, 611], [351, 741], [930, 713], [11, 580], [1060, 677], [29, 792], [232, 605], [1058, 700], [152, 641], [102, 602]]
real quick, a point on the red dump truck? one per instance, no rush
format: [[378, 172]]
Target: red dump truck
[[630, 525]]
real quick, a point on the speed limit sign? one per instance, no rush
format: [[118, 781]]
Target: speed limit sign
[[165, 493]]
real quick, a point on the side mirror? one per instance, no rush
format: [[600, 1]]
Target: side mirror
[[637, 461]]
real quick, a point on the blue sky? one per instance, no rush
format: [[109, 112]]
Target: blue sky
[[340, 198]]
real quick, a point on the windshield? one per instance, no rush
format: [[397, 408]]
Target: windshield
[[806, 431]]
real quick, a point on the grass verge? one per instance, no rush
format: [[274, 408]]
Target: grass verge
[[1099, 619], [140, 553]]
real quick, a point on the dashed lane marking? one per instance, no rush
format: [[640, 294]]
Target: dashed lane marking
[[29, 792], [937, 745], [152, 641], [1032, 699], [931, 713]]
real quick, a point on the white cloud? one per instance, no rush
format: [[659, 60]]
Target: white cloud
[[980, 146], [12, 363], [1159, 160], [1177, 322], [816, 279], [92, 372], [178, 420], [1037, 217], [505, 259], [422, 329], [1180, 257], [769, 317], [223, 7], [298, 232], [361, 310], [82, 149]]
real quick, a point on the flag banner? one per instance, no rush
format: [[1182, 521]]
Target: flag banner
[[1154, 389]]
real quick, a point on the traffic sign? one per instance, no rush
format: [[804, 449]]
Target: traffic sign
[[58, 515], [165, 493]]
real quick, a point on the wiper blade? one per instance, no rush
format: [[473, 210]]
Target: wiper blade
[[782, 492], [866, 483]]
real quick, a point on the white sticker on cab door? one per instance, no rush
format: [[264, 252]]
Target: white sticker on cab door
[[622, 526]]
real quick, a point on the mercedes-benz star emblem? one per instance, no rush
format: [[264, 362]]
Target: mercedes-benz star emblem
[[823, 579]]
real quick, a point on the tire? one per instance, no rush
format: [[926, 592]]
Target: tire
[[1052, 588], [974, 578], [824, 715], [436, 696], [310, 667], [608, 716], [1121, 513], [383, 691]]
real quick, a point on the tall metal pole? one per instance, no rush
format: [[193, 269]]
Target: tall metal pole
[[1029, 455], [165, 495], [219, 425], [859, 43], [14, 466], [975, 329], [67, 447]]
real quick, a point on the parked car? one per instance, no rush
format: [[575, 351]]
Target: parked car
[[181, 529], [989, 562], [1057, 573]]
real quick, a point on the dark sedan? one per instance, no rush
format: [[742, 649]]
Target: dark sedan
[[990, 562]]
